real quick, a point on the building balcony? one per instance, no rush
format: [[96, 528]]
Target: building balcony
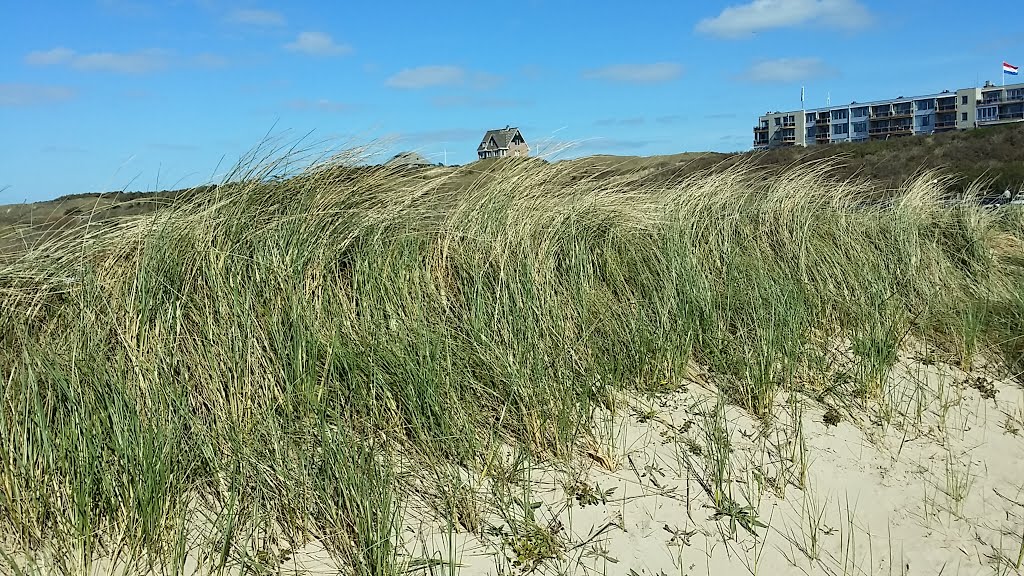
[[760, 129], [945, 125], [1002, 119], [945, 108], [789, 139], [893, 114], [1008, 100], [891, 130], [789, 124]]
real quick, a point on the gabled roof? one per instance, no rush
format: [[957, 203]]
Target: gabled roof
[[407, 159], [498, 139]]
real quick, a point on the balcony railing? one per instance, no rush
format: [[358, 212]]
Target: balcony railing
[[789, 124], [789, 139], [893, 114], [760, 128], [1013, 116], [945, 124], [891, 130], [1008, 100], [945, 108]]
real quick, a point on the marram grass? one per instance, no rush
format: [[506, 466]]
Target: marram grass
[[213, 385]]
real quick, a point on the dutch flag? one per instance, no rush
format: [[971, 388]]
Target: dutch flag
[[1010, 69]]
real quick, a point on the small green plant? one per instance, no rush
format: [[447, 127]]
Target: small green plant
[[530, 545], [812, 513], [958, 482], [587, 495]]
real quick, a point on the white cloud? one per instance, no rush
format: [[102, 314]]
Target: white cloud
[[637, 73], [783, 70], [120, 62], [317, 44], [426, 77], [255, 17], [12, 95], [746, 19], [486, 81], [321, 105], [57, 55]]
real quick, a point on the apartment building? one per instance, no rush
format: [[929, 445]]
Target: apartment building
[[903, 116]]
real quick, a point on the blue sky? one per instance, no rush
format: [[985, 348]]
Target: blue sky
[[99, 95]]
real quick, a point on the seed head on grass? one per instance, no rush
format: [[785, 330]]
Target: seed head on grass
[[259, 354]]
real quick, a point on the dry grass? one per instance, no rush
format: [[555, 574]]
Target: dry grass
[[258, 366]]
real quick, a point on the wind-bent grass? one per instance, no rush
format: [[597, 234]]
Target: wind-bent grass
[[244, 372]]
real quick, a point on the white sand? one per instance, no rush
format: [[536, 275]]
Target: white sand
[[936, 487], [938, 490]]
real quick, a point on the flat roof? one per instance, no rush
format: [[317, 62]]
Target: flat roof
[[946, 94]]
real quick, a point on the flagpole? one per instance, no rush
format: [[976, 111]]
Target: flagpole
[[803, 111]]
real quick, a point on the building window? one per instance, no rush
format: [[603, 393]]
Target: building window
[[778, 121], [860, 112], [839, 114], [963, 100], [860, 126], [841, 128], [926, 104], [963, 116], [926, 121], [810, 132], [809, 117]]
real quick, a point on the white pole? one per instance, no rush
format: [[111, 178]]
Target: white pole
[[803, 111]]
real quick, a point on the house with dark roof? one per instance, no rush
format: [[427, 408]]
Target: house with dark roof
[[408, 160], [503, 142]]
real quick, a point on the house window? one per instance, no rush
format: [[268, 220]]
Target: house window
[[963, 116], [841, 128], [926, 104], [809, 117], [810, 132], [778, 121], [963, 100], [839, 114], [926, 121], [860, 126], [860, 112]]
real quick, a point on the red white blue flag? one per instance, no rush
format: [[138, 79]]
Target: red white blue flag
[[1010, 69]]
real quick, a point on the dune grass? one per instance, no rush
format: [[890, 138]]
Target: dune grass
[[261, 365]]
